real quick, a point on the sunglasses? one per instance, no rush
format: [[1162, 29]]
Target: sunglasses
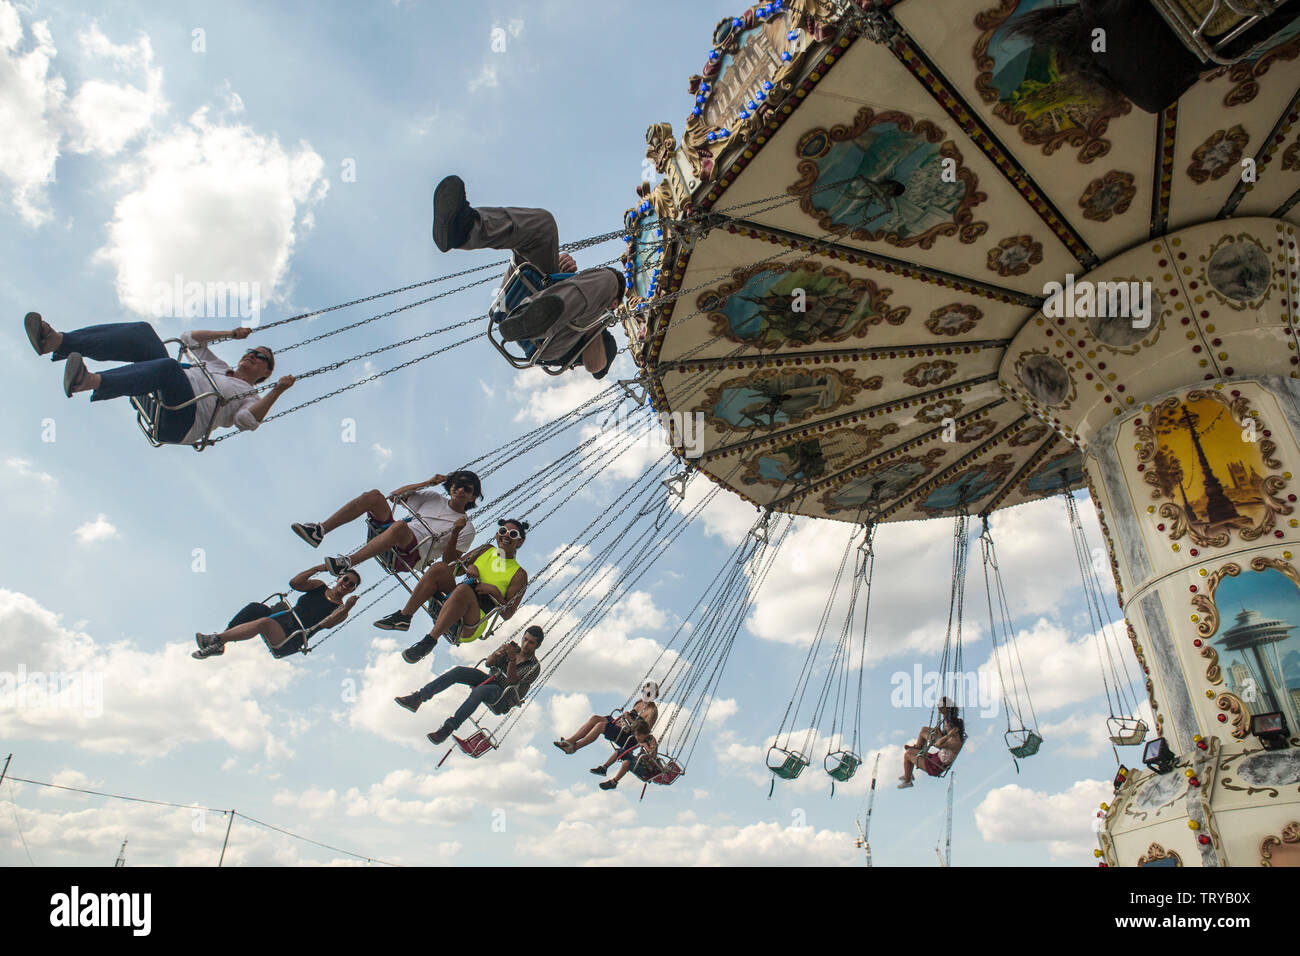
[[512, 533], [463, 486], [266, 359]]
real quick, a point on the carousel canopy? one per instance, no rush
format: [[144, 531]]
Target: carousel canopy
[[869, 203]]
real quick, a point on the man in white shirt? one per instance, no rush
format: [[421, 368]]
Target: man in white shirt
[[149, 369], [430, 529]]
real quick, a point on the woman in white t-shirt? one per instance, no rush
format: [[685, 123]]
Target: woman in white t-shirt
[[429, 528]]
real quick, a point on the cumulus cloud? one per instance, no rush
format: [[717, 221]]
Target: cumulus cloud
[[31, 100], [213, 202], [382, 455], [60, 684], [1063, 821], [105, 116], [92, 532], [21, 473]]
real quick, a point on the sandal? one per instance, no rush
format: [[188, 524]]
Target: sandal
[[565, 745]]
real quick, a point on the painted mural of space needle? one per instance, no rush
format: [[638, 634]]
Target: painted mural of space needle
[[1253, 635]]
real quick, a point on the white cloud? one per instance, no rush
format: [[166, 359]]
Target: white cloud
[[104, 116], [547, 398], [382, 455], [488, 390], [22, 469], [58, 684], [212, 202], [1063, 821], [31, 100], [95, 531], [487, 77]]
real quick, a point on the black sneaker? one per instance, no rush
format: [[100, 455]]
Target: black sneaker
[[453, 217], [608, 784], [438, 736], [397, 621], [337, 565], [419, 650], [311, 533], [600, 771], [203, 640], [411, 702], [533, 319]]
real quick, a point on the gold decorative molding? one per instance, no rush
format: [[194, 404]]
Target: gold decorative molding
[[1289, 840], [1240, 713], [1156, 852]]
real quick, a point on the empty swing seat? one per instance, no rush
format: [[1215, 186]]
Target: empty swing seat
[[1023, 743], [477, 743], [1126, 731], [789, 765], [846, 764]]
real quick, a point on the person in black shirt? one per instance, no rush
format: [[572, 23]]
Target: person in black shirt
[[319, 607]]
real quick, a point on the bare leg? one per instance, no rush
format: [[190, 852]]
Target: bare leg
[[262, 627], [588, 732], [623, 768], [460, 606], [89, 381], [372, 503], [593, 356], [437, 578], [398, 536]]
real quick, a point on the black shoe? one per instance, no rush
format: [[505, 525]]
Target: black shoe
[[419, 650], [397, 621], [600, 771], [337, 565], [608, 784], [453, 217], [533, 319], [311, 533], [411, 702], [438, 736]]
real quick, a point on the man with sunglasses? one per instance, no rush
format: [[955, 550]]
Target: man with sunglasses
[[149, 369], [437, 524]]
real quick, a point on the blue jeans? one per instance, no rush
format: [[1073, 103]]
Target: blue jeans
[[150, 369], [470, 676]]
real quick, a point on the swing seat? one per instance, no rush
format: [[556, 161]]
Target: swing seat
[[279, 603], [846, 764], [1126, 731], [523, 279], [1218, 31], [788, 763], [477, 743], [662, 770], [1022, 743], [149, 408]]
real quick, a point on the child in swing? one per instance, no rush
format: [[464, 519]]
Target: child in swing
[[649, 750]]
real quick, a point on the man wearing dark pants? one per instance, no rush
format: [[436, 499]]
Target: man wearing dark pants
[[149, 369], [568, 309], [514, 665]]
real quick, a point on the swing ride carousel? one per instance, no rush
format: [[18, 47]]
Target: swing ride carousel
[[882, 277]]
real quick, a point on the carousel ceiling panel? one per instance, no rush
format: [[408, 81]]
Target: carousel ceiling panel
[[871, 128], [753, 403], [1091, 155], [747, 294], [1220, 122], [1223, 306]]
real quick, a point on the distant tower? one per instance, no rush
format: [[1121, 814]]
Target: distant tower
[[121, 856]]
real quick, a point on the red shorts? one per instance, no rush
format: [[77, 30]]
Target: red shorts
[[932, 765], [404, 559]]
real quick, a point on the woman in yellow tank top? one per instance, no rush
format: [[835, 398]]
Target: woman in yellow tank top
[[494, 579]]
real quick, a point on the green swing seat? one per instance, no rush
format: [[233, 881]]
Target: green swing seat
[[846, 765], [790, 765], [1027, 747]]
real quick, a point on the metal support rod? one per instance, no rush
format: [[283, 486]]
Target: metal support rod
[[229, 824]]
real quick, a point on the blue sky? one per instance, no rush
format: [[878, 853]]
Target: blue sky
[[134, 158]]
